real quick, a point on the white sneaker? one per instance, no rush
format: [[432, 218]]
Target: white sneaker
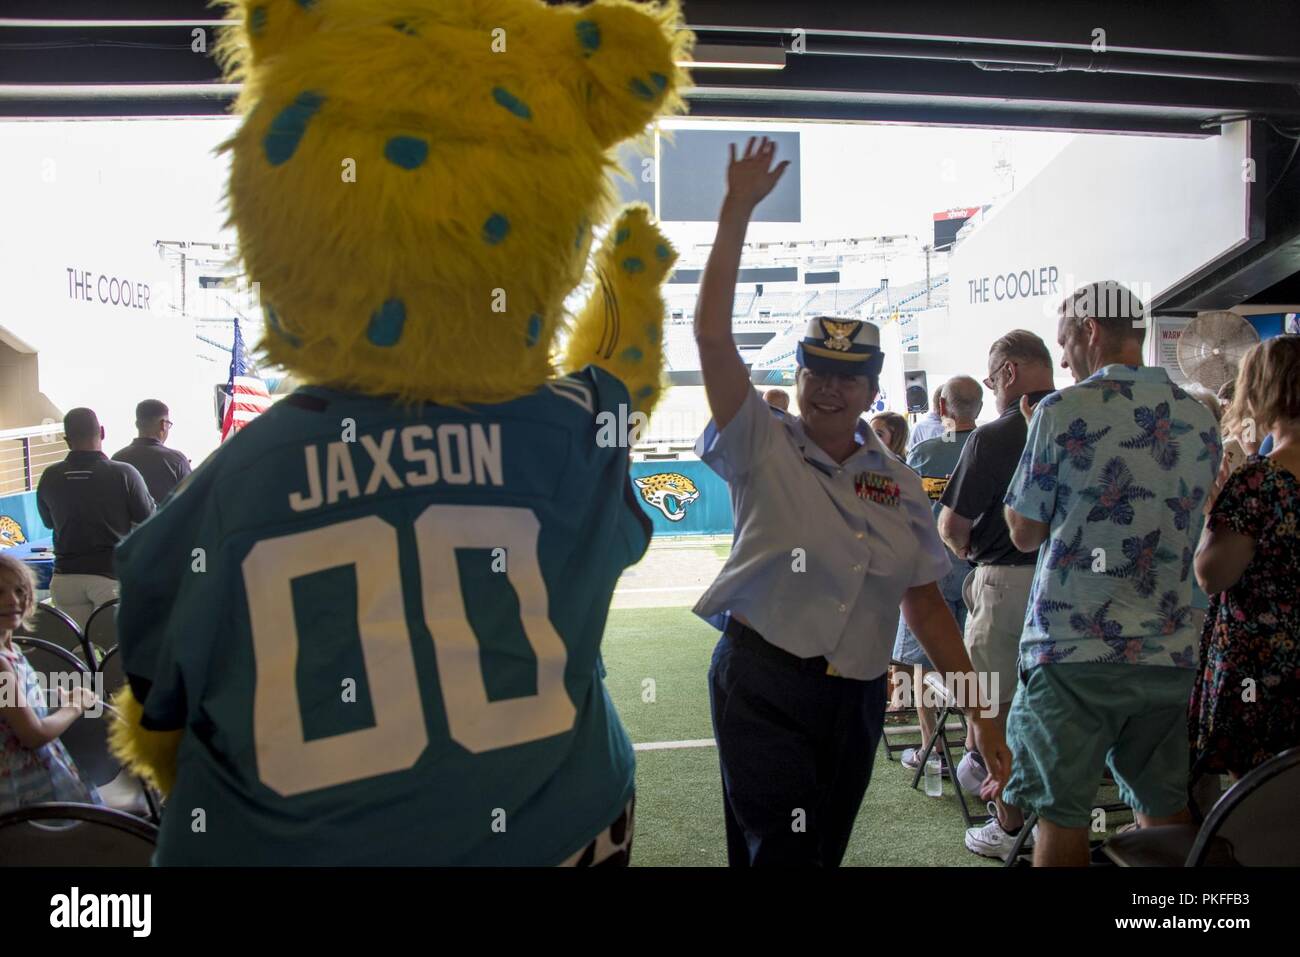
[[990, 840], [971, 772]]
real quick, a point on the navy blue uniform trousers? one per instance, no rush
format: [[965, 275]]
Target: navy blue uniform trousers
[[796, 746]]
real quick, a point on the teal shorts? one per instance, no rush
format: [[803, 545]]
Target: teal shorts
[[1067, 721]]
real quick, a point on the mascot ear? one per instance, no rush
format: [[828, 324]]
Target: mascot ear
[[628, 53], [256, 30]]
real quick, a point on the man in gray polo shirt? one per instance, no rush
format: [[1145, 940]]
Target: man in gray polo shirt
[[91, 503], [162, 468]]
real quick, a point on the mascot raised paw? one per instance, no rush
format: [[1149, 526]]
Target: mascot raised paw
[[367, 630]]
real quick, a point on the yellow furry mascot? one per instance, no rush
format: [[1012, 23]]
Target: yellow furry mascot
[[389, 651]]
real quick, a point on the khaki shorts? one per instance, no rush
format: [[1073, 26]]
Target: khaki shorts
[[996, 597]]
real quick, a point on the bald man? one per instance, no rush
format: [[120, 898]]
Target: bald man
[[91, 503]]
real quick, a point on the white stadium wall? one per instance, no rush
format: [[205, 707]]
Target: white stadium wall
[[85, 288], [1147, 211]]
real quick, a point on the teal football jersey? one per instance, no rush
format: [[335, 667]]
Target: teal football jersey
[[380, 626]]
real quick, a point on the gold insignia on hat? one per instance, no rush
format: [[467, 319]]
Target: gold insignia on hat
[[839, 335]]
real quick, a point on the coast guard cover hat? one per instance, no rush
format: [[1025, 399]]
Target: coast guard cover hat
[[833, 346]]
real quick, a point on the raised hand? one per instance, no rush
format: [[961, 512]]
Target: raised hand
[[751, 177]]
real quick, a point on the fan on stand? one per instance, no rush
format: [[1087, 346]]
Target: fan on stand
[[1212, 346]]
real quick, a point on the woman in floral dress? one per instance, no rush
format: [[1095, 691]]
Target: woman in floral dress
[[34, 765], [1245, 706]]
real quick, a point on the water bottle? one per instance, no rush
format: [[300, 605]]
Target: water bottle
[[934, 777]]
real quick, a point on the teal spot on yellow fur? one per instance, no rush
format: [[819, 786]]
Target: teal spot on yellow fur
[[288, 127], [582, 234], [511, 102], [659, 80], [257, 20], [534, 329], [645, 392], [653, 334], [639, 89], [495, 229], [273, 321], [407, 152], [306, 4], [633, 265], [631, 354], [621, 236], [661, 252], [386, 323], [588, 36], [403, 27]]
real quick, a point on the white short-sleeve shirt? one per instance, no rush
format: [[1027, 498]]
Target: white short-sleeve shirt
[[823, 550]]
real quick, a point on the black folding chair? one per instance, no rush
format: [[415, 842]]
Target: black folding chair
[[947, 707], [892, 747], [86, 738], [74, 835], [50, 624], [101, 630], [48, 657], [1254, 824], [110, 666], [113, 677]]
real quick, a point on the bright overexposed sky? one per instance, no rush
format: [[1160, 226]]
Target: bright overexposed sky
[[858, 180]]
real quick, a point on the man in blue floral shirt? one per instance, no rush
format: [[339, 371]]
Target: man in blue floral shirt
[[1112, 485]]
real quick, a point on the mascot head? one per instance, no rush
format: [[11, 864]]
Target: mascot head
[[415, 181]]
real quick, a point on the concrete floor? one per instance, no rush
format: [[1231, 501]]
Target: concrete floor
[[674, 573]]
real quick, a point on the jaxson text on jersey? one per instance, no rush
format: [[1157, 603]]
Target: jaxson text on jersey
[[452, 453]]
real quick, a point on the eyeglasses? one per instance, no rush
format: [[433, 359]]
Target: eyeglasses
[[988, 382], [168, 423]]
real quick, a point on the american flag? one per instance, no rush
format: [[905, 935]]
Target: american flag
[[248, 395]]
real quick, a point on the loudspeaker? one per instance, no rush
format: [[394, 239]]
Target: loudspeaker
[[918, 394]]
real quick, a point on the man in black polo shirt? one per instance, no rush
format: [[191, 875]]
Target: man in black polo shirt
[[91, 503], [972, 525], [162, 468]]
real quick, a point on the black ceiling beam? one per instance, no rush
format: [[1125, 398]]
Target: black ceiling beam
[[165, 55], [1041, 60], [184, 102], [921, 111], [48, 55], [887, 61], [869, 76], [1221, 28], [1254, 30], [109, 10]]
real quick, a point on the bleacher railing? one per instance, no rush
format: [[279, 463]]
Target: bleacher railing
[[26, 453]]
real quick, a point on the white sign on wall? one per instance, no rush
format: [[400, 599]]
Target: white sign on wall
[[1144, 210]]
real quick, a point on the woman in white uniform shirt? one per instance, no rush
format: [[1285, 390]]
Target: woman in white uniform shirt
[[832, 535]]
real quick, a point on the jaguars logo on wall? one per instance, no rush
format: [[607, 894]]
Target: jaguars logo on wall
[[670, 492], [11, 533]]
